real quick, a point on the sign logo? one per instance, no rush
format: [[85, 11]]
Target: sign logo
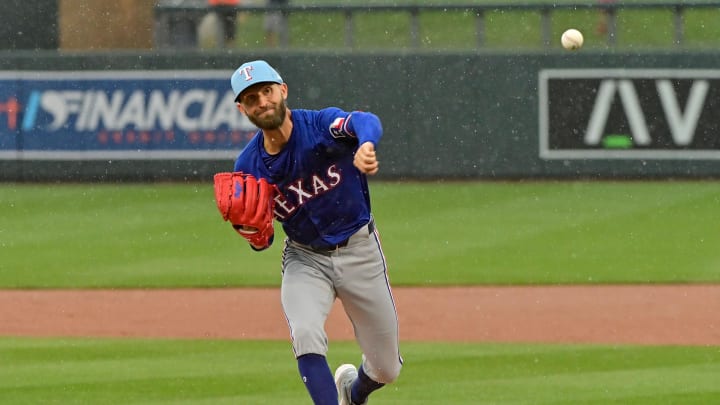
[[11, 107], [629, 114]]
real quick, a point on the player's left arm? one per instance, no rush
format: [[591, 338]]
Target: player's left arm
[[248, 204]]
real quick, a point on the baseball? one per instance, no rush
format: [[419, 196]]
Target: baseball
[[572, 39]]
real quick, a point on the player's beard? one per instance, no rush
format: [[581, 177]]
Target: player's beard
[[272, 121]]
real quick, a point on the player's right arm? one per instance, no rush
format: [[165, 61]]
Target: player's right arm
[[363, 127], [365, 159], [368, 130]]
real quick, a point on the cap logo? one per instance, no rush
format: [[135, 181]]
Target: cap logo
[[245, 71]]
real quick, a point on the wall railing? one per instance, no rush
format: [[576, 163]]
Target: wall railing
[[176, 20]]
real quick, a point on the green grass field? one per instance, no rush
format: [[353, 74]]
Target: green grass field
[[637, 29], [434, 233], [152, 235], [108, 371]]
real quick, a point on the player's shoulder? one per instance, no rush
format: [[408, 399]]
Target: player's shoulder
[[317, 114], [318, 119]]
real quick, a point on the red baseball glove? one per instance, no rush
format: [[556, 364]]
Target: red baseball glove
[[248, 204]]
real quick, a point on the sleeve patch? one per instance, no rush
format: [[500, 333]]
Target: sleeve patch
[[339, 128]]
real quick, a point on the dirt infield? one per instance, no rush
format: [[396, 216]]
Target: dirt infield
[[654, 315]]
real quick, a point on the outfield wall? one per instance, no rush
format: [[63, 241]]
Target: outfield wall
[[446, 115]]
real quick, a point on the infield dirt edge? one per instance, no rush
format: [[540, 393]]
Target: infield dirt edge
[[638, 314]]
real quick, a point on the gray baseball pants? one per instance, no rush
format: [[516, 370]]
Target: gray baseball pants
[[357, 275]]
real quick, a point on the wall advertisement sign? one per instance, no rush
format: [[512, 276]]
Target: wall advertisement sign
[[88, 115], [639, 114]]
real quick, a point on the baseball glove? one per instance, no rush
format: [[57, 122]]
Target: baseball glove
[[248, 204]]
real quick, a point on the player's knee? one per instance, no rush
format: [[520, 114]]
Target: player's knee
[[387, 375], [309, 340]]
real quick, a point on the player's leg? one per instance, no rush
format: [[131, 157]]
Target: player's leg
[[307, 296], [368, 301]]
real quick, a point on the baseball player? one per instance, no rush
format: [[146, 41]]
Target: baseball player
[[313, 164]]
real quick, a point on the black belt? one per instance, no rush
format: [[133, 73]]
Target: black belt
[[330, 248]]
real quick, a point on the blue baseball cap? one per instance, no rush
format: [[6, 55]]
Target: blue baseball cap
[[249, 73]]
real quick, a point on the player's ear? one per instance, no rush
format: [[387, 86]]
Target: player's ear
[[240, 107]]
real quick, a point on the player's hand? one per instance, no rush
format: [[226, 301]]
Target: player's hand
[[365, 159]]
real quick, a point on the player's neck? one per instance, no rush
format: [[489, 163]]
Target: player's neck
[[274, 140]]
